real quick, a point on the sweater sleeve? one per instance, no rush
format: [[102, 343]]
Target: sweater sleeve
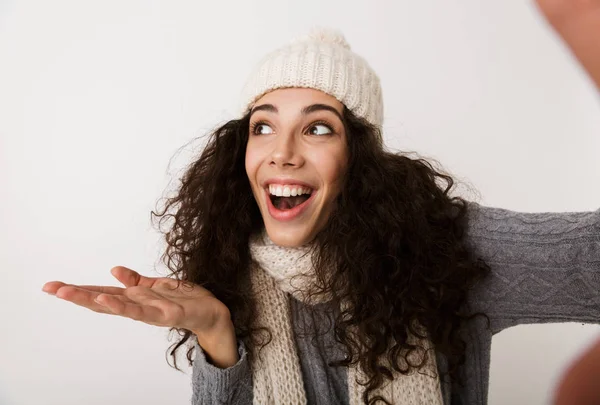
[[545, 267], [213, 385]]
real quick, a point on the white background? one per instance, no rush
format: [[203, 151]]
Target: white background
[[96, 98]]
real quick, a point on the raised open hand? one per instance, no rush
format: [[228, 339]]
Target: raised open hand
[[159, 301], [558, 10], [578, 23]]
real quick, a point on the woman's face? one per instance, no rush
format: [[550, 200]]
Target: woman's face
[[296, 159]]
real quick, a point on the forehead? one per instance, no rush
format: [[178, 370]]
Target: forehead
[[298, 98]]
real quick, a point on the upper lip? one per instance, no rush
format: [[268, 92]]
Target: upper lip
[[286, 180]]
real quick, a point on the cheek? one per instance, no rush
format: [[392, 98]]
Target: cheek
[[332, 168], [251, 162]]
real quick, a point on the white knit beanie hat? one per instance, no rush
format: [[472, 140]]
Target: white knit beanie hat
[[322, 60]]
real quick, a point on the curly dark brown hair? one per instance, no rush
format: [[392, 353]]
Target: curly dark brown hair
[[395, 244]]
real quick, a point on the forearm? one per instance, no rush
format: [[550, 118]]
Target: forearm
[[215, 385], [220, 345]]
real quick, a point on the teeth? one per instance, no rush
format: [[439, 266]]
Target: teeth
[[287, 191]]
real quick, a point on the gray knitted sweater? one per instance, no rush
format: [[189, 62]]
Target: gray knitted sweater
[[545, 268]]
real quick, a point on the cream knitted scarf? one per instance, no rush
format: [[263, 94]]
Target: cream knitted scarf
[[277, 377]]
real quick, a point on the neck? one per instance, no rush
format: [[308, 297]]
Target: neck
[[290, 267]]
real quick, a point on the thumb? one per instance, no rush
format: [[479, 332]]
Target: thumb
[[126, 276]]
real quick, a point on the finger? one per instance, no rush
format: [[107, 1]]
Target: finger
[[131, 278], [53, 286], [144, 313], [81, 297], [103, 289]]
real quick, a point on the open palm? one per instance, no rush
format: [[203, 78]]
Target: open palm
[[159, 301]]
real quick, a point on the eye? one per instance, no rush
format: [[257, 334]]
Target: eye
[[320, 129], [261, 129]]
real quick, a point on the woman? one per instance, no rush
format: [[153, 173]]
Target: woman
[[319, 268]]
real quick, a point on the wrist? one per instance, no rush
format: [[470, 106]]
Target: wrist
[[221, 322], [220, 344], [220, 329]]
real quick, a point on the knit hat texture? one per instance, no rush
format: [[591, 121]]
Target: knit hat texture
[[321, 60]]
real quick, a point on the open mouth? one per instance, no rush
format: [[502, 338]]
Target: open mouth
[[287, 203]]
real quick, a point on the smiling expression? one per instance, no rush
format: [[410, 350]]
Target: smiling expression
[[296, 145]]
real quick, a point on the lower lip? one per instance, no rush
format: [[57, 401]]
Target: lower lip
[[290, 214]]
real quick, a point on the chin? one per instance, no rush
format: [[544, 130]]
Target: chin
[[287, 238]]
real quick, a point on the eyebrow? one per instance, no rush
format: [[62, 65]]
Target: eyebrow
[[305, 111]]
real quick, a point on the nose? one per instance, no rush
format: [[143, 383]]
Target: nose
[[286, 151]]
